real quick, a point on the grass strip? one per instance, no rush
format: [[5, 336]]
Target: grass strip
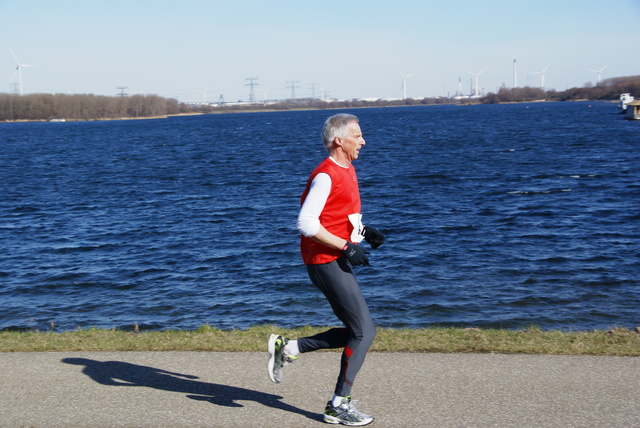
[[614, 342]]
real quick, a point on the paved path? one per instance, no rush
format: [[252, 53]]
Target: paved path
[[206, 389]]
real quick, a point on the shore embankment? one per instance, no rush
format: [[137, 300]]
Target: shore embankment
[[613, 342]]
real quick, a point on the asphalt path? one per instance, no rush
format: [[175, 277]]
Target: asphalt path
[[211, 389]]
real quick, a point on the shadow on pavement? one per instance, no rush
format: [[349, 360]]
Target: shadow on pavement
[[118, 373]]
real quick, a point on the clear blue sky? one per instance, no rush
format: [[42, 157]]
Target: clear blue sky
[[197, 49]]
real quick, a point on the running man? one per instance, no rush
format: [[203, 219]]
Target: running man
[[331, 228]]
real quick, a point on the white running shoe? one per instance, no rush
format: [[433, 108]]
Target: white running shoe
[[277, 357], [346, 414]]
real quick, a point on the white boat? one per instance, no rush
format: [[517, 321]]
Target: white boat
[[625, 99], [58, 119]]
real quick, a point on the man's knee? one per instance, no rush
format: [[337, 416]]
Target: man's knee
[[371, 333], [368, 333]]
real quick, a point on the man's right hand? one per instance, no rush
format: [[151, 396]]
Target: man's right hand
[[356, 255]]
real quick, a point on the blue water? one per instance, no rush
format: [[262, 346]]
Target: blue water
[[496, 216]]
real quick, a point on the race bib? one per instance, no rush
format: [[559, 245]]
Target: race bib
[[356, 222]]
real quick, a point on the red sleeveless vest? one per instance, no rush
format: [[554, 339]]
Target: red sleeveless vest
[[343, 200]]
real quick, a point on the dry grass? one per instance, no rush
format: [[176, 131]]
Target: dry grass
[[615, 342]]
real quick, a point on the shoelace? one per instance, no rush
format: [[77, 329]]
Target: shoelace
[[351, 408]]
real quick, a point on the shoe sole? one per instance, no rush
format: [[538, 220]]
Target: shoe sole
[[271, 347], [330, 420], [336, 421]]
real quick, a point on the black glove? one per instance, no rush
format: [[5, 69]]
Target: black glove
[[374, 237], [356, 255]]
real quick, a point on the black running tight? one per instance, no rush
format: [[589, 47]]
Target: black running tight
[[338, 283]]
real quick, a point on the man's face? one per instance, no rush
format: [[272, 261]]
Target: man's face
[[352, 142]]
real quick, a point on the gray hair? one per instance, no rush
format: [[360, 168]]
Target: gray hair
[[336, 126]]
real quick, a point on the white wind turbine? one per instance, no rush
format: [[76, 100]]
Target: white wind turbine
[[265, 90], [599, 73], [19, 70], [404, 84], [475, 75], [541, 73], [322, 92]]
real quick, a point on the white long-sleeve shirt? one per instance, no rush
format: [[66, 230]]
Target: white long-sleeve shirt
[[309, 216]]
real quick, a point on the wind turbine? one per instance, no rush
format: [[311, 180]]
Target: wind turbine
[[19, 70], [541, 73], [599, 73], [404, 84], [265, 93], [322, 92], [476, 81]]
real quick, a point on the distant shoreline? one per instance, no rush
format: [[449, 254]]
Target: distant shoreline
[[266, 110], [76, 107]]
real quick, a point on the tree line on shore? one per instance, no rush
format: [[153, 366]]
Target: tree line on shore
[[34, 107], [84, 107], [609, 89]]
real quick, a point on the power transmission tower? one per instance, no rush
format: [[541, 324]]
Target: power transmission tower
[[293, 86], [252, 98], [313, 90], [122, 101]]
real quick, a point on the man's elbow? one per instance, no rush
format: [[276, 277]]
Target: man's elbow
[[308, 228]]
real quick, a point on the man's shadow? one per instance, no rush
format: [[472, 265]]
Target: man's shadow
[[118, 373]]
